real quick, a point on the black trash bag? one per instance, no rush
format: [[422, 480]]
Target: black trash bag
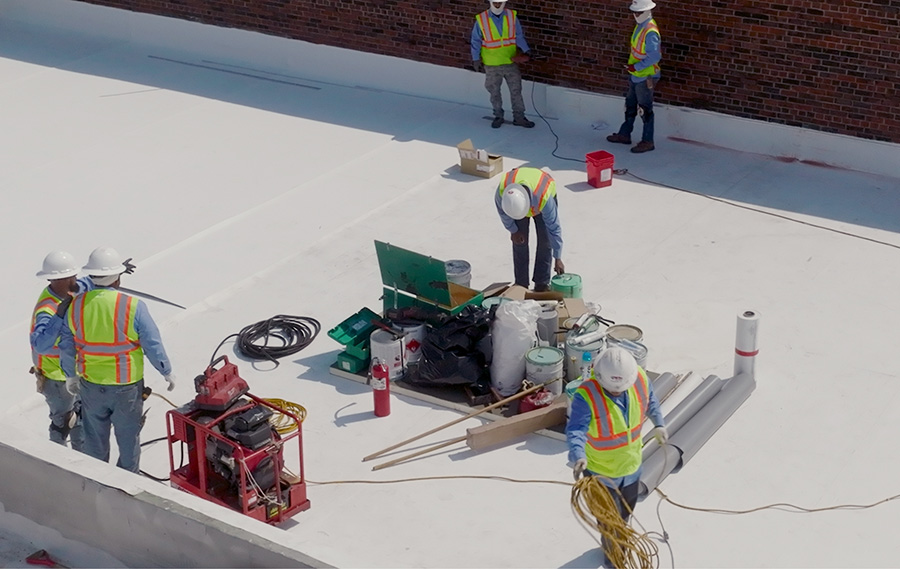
[[452, 353]]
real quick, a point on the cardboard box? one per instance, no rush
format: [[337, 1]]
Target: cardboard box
[[565, 307], [478, 162]]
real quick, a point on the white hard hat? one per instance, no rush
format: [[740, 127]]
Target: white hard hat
[[617, 368], [103, 262], [516, 201], [58, 265], [642, 5]]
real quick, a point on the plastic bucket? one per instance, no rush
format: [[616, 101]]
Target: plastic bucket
[[569, 284], [575, 355], [459, 272], [388, 349], [543, 364], [412, 341], [625, 332], [599, 168], [570, 394]]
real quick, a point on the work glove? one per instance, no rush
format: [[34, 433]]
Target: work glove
[[661, 434], [478, 66], [630, 68], [579, 467], [170, 379], [64, 306], [72, 385], [559, 266], [129, 266]]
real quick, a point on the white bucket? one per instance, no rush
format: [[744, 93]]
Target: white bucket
[[570, 394], [412, 341], [388, 349], [459, 272], [636, 349], [574, 353], [543, 364], [625, 332]]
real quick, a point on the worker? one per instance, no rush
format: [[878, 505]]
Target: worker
[[498, 47], [529, 193], [604, 427], [106, 337], [46, 322], [643, 70]]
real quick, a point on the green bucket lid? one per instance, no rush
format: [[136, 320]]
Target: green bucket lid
[[544, 355]]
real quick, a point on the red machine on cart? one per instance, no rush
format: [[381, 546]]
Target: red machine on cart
[[235, 457]]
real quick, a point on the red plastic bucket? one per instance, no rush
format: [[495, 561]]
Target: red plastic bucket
[[599, 168]]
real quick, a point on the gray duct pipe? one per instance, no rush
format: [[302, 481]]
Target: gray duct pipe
[[664, 385], [656, 468]]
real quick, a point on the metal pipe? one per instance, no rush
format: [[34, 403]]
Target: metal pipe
[[684, 411], [745, 348]]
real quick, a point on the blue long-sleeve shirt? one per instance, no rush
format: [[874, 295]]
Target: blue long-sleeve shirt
[[47, 326], [477, 38], [148, 335], [550, 214], [651, 48], [580, 418]]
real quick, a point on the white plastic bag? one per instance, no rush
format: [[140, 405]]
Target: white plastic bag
[[513, 333]]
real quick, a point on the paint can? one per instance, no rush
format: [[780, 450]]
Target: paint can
[[575, 355], [570, 394], [625, 332], [459, 272], [569, 284], [388, 349], [412, 341], [543, 364], [636, 349]]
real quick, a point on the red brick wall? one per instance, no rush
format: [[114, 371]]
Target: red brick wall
[[830, 66]]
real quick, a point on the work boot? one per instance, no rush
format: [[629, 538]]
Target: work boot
[[522, 121], [643, 146], [497, 122], [543, 287], [619, 138]]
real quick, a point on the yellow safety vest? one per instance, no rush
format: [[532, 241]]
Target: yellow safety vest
[[107, 347], [47, 364], [639, 49], [542, 185], [614, 442], [497, 47]]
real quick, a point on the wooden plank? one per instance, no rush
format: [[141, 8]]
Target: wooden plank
[[506, 429]]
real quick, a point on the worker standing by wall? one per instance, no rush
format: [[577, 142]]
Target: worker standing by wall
[[106, 336], [498, 46], [529, 193], [604, 428], [644, 72], [46, 323]]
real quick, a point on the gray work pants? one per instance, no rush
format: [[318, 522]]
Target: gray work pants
[[62, 405], [493, 79], [119, 406]]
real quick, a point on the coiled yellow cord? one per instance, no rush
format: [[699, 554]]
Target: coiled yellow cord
[[282, 423], [594, 505]]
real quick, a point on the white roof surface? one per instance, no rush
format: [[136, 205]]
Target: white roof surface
[[243, 194]]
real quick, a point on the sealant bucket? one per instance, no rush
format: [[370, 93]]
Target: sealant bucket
[[543, 364], [625, 332], [599, 168], [569, 284], [412, 342], [388, 349], [459, 272], [575, 355]]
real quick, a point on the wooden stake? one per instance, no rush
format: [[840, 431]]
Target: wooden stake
[[419, 453]]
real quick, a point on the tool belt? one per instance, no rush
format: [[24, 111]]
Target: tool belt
[[40, 379]]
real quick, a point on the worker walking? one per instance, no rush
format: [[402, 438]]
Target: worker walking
[[604, 428], [104, 342], [529, 193], [498, 46], [644, 72], [46, 323]]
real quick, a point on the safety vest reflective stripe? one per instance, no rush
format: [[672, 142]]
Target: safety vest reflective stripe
[[639, 48], [47, 364], [542, 190], [97, 355], [605, 438], [542, 185]]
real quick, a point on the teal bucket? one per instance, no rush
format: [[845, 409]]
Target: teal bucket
[[569, 284]]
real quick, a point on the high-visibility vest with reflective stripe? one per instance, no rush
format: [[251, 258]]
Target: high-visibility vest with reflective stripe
[[542, 185], [639, 49], [497, 46], [614, 442], [107, 347], [47, 364]]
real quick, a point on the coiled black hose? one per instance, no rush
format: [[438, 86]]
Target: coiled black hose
[[292, 332]]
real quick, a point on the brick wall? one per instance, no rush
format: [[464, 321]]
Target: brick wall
[[830, 66]]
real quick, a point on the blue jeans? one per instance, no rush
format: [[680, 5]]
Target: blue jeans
[[543, 257], [119, 406], [62, 404], [638, 95]]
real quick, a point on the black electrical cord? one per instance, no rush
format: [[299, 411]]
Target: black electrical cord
[[292, 332]]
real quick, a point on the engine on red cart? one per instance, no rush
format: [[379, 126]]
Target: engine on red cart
[[235, 457]]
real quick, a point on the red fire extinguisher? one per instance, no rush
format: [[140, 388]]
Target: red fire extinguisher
[[381, 388]]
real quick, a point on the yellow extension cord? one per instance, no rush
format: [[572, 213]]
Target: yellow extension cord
[[282, 423]]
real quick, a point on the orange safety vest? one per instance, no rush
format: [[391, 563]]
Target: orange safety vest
[[497, 46], [542, 185], [639, 49], [47, 364], [107, 347], [614, 442]]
